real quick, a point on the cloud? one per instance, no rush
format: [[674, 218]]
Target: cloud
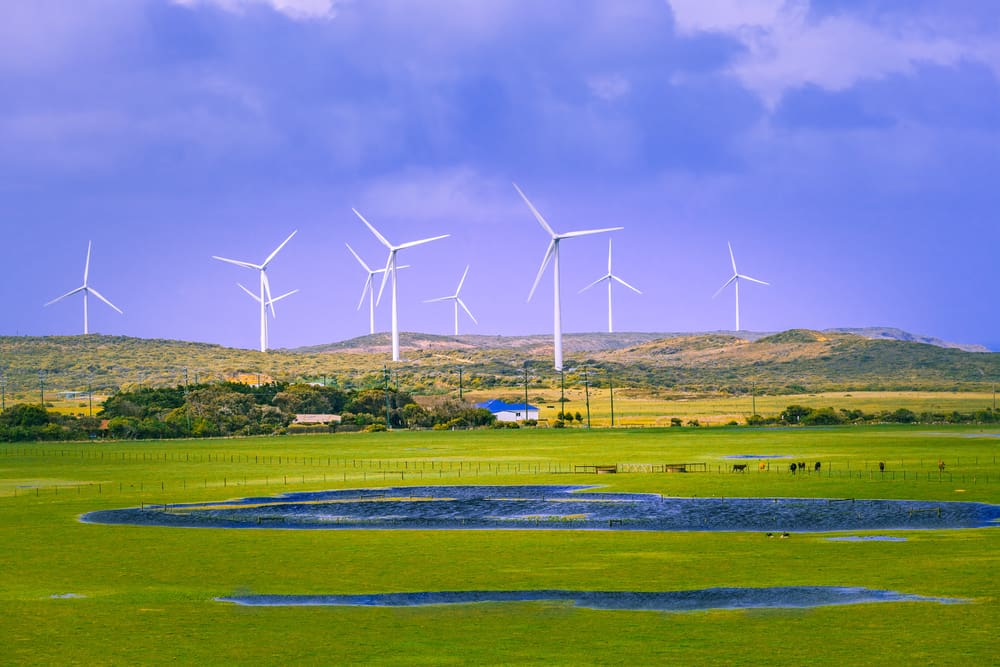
[[609, 87], [788, 46], [296, 9]]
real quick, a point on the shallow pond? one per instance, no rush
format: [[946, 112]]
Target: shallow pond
[[552, 507], [677, 601]]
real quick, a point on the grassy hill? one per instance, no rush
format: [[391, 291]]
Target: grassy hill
[[786, 362]]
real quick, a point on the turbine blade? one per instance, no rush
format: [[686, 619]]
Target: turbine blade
[[541, 269], [358, 257], [626, 284], [462, 281], [596, 282], [732, 257], [753, 280], [719, 291], [374, 231], [245, 265], [440, 298], [86, 267], [587, 232], [254, 296], [385, 275], [271, 256], [466, 309], [279, 298], [364, 290], [268, 301], [609, 257], [101, 297], [69, 293], [538, 216], [410, 244]]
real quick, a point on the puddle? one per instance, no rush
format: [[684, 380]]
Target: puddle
[[552, 507], [757, 456], [676, 601], [866, 538], [67, 596]]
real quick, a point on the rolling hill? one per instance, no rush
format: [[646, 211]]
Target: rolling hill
[[786, 362]]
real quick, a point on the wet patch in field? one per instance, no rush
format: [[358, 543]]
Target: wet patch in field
[[866, 538], [672, 601], [552, 507]]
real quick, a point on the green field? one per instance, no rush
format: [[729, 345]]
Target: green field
[[145, 595]]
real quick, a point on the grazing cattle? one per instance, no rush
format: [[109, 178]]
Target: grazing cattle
[[793, 467], [762, 466], [941, 466], [802, 465], [739, 467], [881, 466], [817, 466]]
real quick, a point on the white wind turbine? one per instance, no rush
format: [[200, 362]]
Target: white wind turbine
[[390, 268], [369, 288], [87, 290], [735, 278], [610, 277], [457, 300], [264, 299], [553, 254]]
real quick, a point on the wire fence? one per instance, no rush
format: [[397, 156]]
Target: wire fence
[[279, 470]]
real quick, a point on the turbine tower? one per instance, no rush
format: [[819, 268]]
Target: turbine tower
[[264, 299], [390, 268], [369, 288], [610, 277], [735, 278], [457, 300], [87, 291], [553, 254]]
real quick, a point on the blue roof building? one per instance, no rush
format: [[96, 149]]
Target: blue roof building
[[510, 412]]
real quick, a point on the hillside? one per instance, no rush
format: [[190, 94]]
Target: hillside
[[786, 362]]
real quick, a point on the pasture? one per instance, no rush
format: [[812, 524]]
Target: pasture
[[643, 407], [102, 594]]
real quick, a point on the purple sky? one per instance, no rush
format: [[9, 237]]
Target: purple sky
[[850, 152]]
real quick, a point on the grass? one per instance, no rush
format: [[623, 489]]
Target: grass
[[148, 592]]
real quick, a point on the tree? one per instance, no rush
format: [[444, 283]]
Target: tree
[[25, 414]]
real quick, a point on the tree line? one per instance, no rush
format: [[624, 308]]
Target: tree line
[[229, 409]]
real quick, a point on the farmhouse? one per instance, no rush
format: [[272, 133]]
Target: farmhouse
[[510, 412]]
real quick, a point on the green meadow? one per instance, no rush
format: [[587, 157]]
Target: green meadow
[[96, 594]]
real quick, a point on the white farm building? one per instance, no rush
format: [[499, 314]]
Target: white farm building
[[510, 412]]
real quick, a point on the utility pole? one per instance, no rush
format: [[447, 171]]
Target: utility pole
[[90, 397], [3, 392], [753, 397], [586, 389], [385, 372], [460, 396], [41, 386], [611, 388]]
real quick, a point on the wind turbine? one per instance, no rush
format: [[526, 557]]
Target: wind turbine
[[735, 278], [610, 277], [458, 301], [87, 291], [264, 299], [553, 254], [390, 268], [369, 288]]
